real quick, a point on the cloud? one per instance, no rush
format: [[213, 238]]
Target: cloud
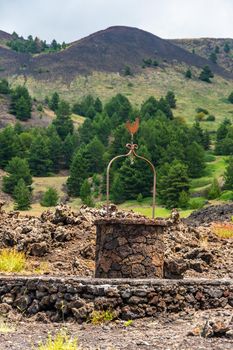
[[73, 19]]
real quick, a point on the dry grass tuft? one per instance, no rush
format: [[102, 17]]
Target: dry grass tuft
[[61, 341], [223, 230], [12, 261]]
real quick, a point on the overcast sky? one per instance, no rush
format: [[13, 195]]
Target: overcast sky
[[69, 20]]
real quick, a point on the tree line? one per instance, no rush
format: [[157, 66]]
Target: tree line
[[33, 45], [176, 150]]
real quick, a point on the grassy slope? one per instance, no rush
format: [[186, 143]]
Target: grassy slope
[[190, 93]]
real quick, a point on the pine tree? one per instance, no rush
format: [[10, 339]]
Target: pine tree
[[69, 146], [50, 198], [39, 157], [117, 190], [55, 149], [102, 127], [22, 196], [228, 175], [183, 200], [149, 108], [206, 74], [17, 169], [98, 105], [213, 57], [230, 97], [4, 87], [195, 160], [170, 98], [172, 183], [136, 177], [226, 47], [86, 131], [63, 122], [188, 74], [94, 156], [85, 193], [54, 101], [215, 190], [78, 173], [8, 145], [22, 109], [118, 109], [127, 71], [164, 106]]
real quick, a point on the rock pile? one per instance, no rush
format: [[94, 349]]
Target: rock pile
[[212, 213], [220, 326], [66, 240]]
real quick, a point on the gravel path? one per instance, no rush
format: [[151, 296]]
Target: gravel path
[[158, 334]]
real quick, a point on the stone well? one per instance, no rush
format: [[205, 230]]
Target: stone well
[[129, 248]]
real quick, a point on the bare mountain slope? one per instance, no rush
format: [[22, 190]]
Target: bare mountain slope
[[109, 50], [205, 46]]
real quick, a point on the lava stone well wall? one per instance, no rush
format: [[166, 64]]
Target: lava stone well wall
[[129, 248], [75, 298]]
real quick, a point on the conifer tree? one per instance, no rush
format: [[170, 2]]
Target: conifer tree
[[215, 190], [17, 169], [78, 173], [98, 105], [4, 86], [39, 157], [22, 196], [228, 175], [173, 182], [85, 193], [63, 122], [117, 190], [171, 99], [195, 160], [188, 73], [50, 198], [54, 101], [55, 149], [94, 156], [206, 74], [230, 97]]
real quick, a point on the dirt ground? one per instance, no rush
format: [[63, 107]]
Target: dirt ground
[[168, 332]]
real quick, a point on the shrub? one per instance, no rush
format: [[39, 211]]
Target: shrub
[[40, 108], [210, 118], [50, 198], [140, 198], [200, 116], [61, 341], [196, 202], [215, 190], [12, 261], [224, 230], [99, 317], [226, 196], [230, 97], [209, 157], [183, 200], [188, 74], [203, 110]]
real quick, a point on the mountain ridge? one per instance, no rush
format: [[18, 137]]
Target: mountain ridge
[[108, 50]]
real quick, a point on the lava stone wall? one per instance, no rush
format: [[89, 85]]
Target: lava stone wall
[[127, 248], [60, 299]]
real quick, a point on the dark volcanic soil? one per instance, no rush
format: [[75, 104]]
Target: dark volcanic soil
[[162, 333]]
